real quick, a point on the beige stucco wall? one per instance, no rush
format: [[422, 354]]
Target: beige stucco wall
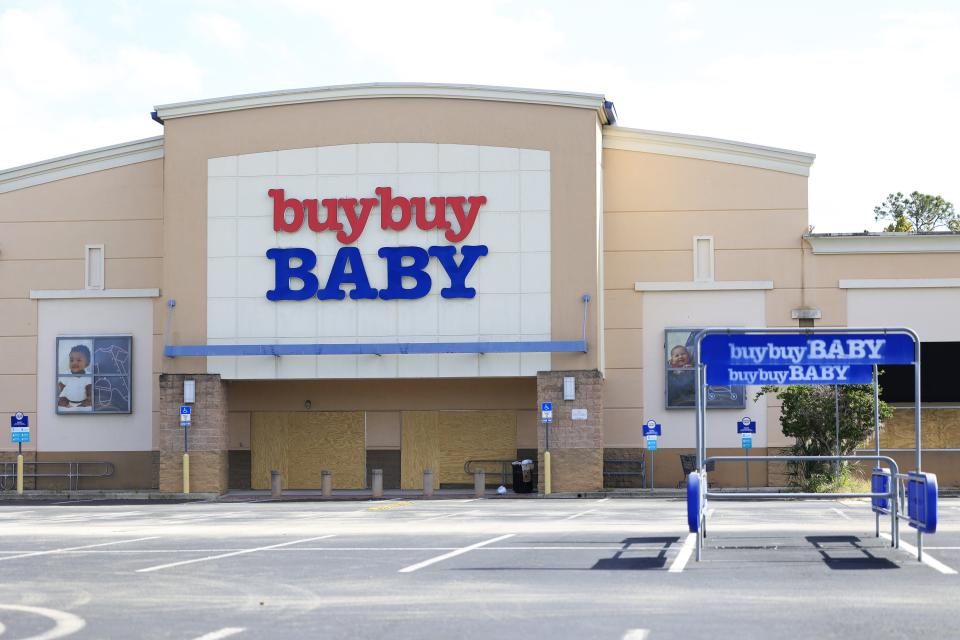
[[569, 134], [43, 231], [654, 205], [97, 432]]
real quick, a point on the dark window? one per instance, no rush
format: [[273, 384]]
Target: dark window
[[939, 379]]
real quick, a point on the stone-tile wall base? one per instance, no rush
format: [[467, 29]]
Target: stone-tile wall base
[[208, 471], [576, 446], [573, 470], [207, 436]]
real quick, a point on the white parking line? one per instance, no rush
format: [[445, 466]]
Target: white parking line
[[232, 553], [226, 632], [577, 515], [450, 515], [684, 556], [841, 512], [88, 546], [928, 560], [453, 554], [603, 500], [636, 634], [65, 623]]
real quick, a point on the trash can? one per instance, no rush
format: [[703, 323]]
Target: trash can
[[524, 476]]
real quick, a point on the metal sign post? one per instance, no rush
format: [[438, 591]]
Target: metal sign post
[[836, 399], [876, 425], [651, 431], [19, 433], [746, 428], [546, 416], [186, 417]]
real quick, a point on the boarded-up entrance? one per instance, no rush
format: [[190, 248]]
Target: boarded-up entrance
[[301, 444], [443, 441]]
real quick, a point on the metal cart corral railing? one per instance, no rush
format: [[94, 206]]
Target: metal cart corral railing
[[75, 470], [506, 470], [791, 351]]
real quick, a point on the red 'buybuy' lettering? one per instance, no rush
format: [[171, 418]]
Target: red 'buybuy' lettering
[[396, 213]]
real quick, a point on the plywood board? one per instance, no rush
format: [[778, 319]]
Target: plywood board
[[302, 444], [419, 449], [940, 429], [383, 429], [475, 435], [268, 450]]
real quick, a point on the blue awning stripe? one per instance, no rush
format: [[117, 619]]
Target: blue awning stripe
[[388, 348]]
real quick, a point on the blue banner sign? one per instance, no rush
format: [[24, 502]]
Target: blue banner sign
[[652, 428], [793, 374], [762, 350], [746, 425]]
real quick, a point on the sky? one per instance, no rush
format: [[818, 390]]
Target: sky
[[871, 87]]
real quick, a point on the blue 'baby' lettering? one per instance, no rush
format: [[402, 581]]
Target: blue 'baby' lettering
[[297, 264]]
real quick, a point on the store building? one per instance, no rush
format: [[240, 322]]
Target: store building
[[396, 276]]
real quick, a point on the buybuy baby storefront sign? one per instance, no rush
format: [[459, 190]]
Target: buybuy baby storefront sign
[[376, 243], [407, 278]]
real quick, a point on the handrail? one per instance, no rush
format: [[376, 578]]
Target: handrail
[[73, 474]]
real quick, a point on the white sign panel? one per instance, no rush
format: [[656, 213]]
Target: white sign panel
[[304, 222]]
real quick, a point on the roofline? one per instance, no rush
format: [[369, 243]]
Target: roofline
[[704, 148], [596, 102], [884, 242], [78, 164]]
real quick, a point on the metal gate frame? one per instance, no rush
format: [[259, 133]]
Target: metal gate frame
[[894, 492]]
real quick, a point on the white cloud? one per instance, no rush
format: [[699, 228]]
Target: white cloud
[[65, 87], [880, 118], [682, 36], [680, 11], [221, 30]]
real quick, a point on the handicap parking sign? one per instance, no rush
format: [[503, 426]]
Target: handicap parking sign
[[546, 411], [185, 415]]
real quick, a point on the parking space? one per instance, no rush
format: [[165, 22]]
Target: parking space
[[467, 568]]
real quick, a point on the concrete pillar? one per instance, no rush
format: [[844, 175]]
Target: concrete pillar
[[427, 483], [276, 483], [376, 482], [208, 438], [576, 433], [326, 483], [479, 483]]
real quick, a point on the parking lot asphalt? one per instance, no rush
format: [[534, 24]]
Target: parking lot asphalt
[[489, 568]]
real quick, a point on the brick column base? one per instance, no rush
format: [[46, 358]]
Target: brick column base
[[576, 446], [206, 437]]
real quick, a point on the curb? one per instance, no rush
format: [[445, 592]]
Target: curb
[[35, 495]]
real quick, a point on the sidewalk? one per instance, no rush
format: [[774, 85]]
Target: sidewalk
[[314, 495]]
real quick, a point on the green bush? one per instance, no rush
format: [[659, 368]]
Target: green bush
[[808, 415]]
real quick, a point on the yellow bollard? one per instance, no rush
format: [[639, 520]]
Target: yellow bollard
[[546, 473], [20, 474], [186, 473]]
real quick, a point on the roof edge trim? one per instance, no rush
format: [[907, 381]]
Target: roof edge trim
[[78, 164], [943, 242], [596, 102], [703, 148]]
